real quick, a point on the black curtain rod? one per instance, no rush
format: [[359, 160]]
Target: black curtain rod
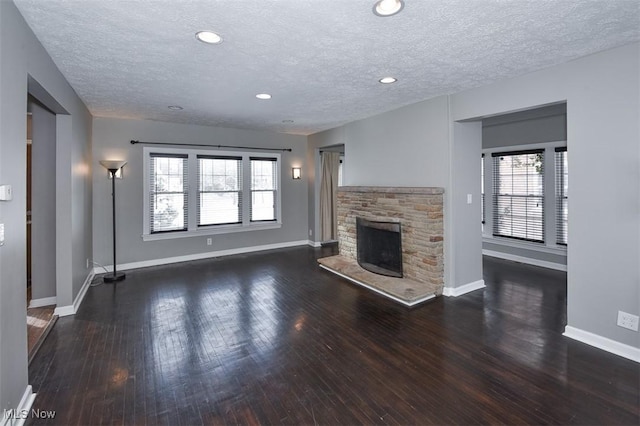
[[255, 148]]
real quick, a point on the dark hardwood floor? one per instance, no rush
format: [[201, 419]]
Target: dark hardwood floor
[[270, 338]]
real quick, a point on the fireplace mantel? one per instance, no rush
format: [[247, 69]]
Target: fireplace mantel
[[428, 190]]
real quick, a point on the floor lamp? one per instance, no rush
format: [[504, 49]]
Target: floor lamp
[[113, 167]]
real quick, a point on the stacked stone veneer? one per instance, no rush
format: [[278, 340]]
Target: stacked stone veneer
[[420, 213]]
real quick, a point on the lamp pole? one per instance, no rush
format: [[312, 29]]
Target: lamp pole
[[113, 167]]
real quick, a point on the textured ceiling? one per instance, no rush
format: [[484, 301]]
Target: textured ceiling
[[320, 59]]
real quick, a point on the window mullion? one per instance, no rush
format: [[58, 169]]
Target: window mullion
[[246, 190], [192, 180], [277, 199], [146, 226], [488, 195], [549, 197]]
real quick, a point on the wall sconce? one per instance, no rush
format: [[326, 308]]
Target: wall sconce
[[296, 172]]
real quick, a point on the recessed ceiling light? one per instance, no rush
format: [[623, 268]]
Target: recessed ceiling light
[[175, 107], [388, 80], [208, 37], [263, 96], [388, 7]]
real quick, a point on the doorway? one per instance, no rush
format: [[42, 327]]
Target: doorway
[[41, 223], [29, 142], [525, 186]]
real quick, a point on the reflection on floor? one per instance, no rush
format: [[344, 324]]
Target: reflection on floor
[[39, 323], [270, 338]]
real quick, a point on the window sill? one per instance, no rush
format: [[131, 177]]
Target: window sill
[[229, 229], [540, 247]]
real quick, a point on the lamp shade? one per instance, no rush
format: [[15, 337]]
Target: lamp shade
[[112, 165]]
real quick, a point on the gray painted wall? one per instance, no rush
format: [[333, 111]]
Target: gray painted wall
[[111, 140], [405, 147], [465, 233], [43, 203], [534, 126], [546, 124], [601, 93], [21, 56]]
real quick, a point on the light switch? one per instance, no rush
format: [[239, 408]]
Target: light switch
[[6, 193], [469, 198]]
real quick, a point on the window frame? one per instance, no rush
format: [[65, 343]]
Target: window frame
[[549, 246], [274, 190], [518, 197], [193, 229], [238, 192], [561, 169], [184, 192]]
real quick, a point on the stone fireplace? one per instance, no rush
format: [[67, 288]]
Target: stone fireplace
[[419, 213]]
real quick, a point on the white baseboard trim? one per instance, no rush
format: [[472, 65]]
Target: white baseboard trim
[[315, 243], [44, 301], [22, 412], [464, 289], [603, 343], [527, 260], [200, 256], [63, 311], [387, 295]]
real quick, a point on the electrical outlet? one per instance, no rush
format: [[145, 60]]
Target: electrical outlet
[[87, 263], [629, 321], [310, 233], [209, 241]]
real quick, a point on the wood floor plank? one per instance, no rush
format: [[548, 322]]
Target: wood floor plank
[[269, 338]]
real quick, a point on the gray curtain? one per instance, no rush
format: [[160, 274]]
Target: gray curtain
[[328, 195]]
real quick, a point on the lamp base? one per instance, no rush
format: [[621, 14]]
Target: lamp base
[[112, 278]]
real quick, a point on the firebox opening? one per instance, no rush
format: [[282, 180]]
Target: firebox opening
[[379, 247]]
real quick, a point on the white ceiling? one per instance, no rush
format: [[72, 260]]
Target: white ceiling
[[320, 59]]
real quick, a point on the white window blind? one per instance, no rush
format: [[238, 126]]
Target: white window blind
[[518, 195], [562, 196], [263, 189], [219, 190], [168, 193]]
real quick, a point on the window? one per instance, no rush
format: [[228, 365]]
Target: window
[[263, 189], [518, 195], [219, 190], [562, 196], [168, 194], [199, 192]]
